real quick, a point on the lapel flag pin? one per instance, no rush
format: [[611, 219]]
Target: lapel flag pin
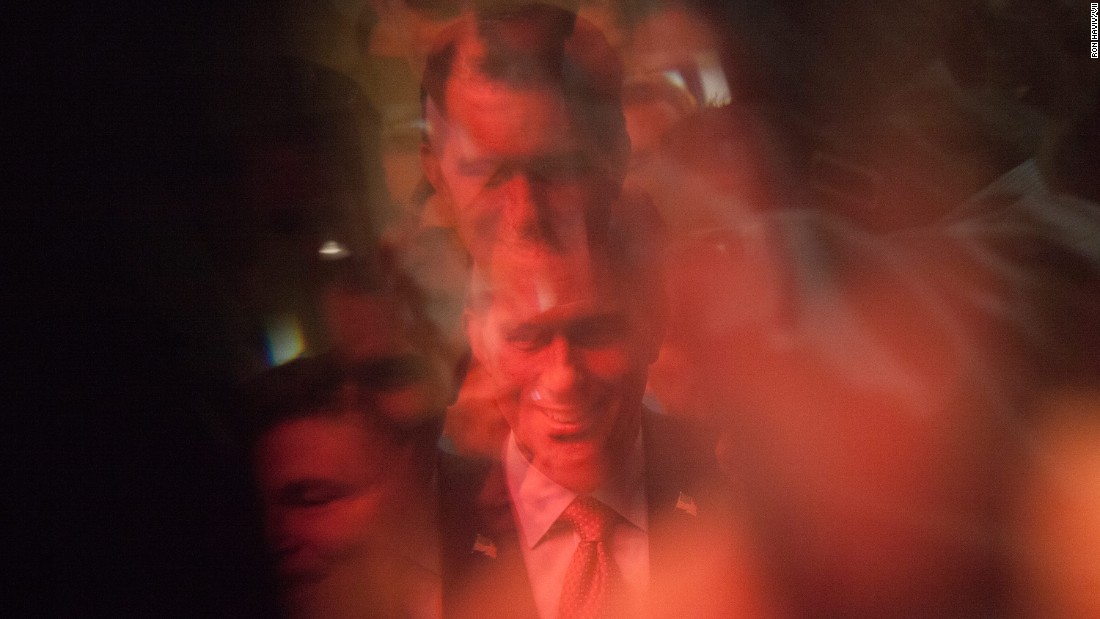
[[686, 504], [485, 546]]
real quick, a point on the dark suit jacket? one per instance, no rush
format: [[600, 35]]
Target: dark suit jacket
[[697, 554]]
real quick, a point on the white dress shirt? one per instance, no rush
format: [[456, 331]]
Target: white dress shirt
[[548, 546]]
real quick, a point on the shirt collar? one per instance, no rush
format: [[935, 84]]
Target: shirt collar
[[539, 501]]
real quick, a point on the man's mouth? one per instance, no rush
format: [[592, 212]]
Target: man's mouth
[[563, 416], [568, 423]]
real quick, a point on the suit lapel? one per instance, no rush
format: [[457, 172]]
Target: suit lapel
[[690, 524], [691, 533], [483, 570]]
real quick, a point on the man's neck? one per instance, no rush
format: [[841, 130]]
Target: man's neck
[[539, 499]]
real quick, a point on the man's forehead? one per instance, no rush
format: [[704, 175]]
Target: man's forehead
[[504, 119], [321, 447], [316, 441], [490, 118], [535, 284], [539, 296], [510, 316]]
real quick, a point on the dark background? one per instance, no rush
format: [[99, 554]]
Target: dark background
[[126, 501]]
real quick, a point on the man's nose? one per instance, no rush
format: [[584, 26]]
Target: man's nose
[[562, 374], [525, 208]]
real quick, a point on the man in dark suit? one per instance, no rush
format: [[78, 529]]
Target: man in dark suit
[[567, 339], [592, 506]]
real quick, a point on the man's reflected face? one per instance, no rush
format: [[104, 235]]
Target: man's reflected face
[[327, 484], [512, 166], [569, 360]]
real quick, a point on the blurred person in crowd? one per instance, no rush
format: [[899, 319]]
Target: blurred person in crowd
[[700, 151], [695, 103], [346, 490], [566, 339], [719, 282], [344, 452]]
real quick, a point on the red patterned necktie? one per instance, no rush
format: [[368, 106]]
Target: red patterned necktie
[[593, 584]]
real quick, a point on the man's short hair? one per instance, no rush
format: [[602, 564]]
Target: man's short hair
[[327, 386], [355, 364], [538, 46]]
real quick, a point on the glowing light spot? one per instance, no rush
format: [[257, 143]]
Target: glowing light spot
[[716, 89], [284, 339], [673, 76], [333, 250]]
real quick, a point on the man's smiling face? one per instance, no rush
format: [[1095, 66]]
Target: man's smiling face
[[569, 358]]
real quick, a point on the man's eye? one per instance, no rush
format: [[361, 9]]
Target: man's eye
[[478, 169], [560, 169], [498, 176], [528, 339], [313, 493], [598, 332]]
